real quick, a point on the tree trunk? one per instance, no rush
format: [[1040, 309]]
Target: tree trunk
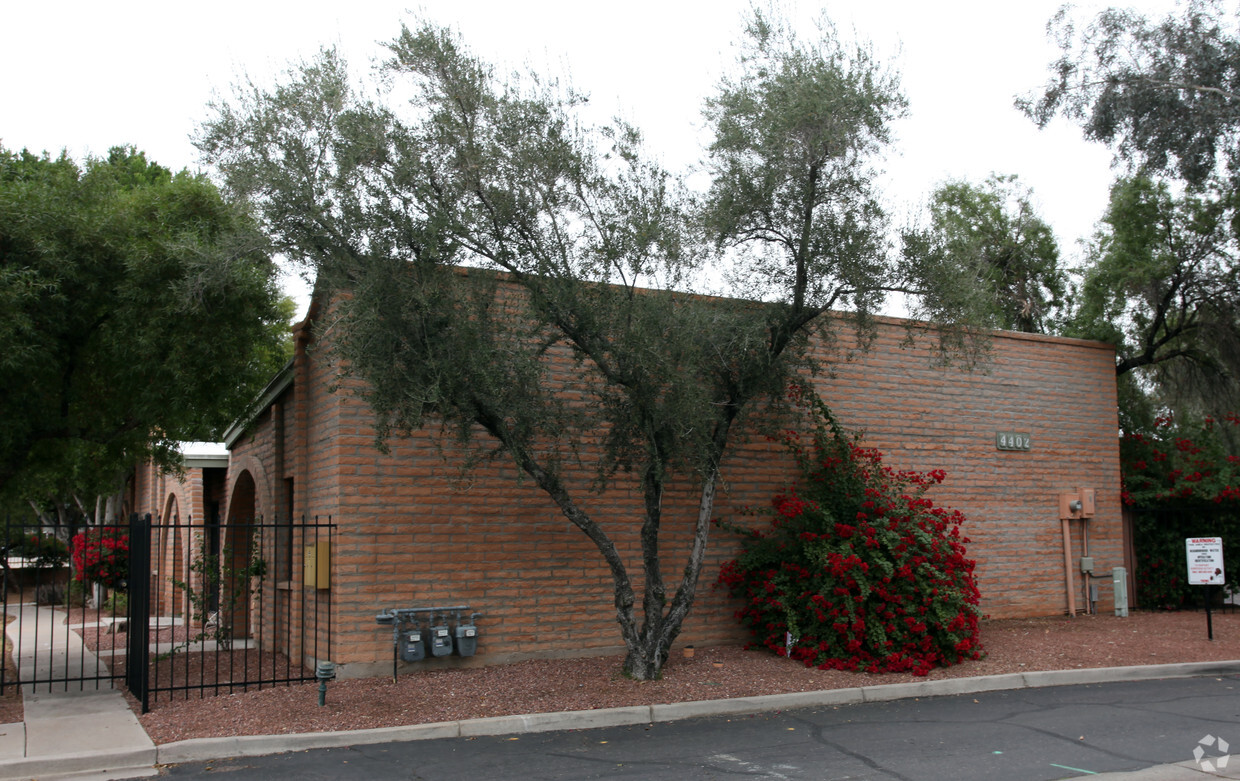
[[647, 645], [65, 524], [646, 663], [649, 649]]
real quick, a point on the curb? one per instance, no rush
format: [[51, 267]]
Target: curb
[[132, 763], [202, 749], [139, 762]]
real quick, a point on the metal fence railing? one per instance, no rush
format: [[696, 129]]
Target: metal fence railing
[[48, 611], [172, 608]]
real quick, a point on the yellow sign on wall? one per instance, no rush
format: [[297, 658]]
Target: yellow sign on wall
[[317, 568]]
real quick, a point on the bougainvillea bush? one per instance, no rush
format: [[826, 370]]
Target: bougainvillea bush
[[101, 555], [40, 550], [1181, 479], [858, 570]]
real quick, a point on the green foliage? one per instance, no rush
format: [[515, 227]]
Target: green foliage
[[1181, 480], [1162, 284], [224, 583], [535, 286], [999, 258], [1164, 94], [140, 308], [795, 130], [76, 593], [858, 570], [117, 603], [44, 550], [277, 350]]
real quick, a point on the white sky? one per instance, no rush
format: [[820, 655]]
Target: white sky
[[90, 75]]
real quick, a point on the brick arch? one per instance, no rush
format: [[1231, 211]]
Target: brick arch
[[177, 498], [177, 509], [249, 498], [261, 499], [161, 565], [171, 560]]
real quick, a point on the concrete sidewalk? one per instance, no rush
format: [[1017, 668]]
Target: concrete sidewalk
[[93, 734], [70, 730]]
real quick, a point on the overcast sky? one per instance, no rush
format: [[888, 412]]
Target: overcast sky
[[85, 76]]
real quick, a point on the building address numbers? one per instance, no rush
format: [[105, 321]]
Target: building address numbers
[[1010, 440]]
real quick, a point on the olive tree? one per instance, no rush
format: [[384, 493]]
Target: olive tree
[[534, 285]]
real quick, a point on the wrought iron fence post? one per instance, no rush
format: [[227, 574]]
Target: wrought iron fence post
[[4, 598], [138, 643]]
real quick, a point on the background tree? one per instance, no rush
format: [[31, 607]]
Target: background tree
[[993, 246], [140, 308], [1161, 279], [602, 254], [1163, 94], [1161, 284]]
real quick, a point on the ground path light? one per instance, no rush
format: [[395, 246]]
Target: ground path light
[[324, 671]]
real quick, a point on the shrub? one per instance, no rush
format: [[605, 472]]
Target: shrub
[[75, 594], [1181, 479], [858, 570], [101, 555], [117, 604], [225, 583], [44, 550]]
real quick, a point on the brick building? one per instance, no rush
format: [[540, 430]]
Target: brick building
[[413, 530], [198, 493]]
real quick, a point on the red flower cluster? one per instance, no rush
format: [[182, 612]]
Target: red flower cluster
[[858, 571], [1168, 465], [101, 555]]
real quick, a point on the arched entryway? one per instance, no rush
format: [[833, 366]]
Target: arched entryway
[[170, 562], [237, 557]]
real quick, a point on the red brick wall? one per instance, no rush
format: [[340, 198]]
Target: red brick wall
[[170, 499], [1061, 392], [415, 531]]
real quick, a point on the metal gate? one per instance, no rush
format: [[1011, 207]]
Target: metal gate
[[183, 607], [46, 641]]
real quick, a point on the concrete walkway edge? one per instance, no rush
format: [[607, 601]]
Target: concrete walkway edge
[[83, 728], [119, 763], [202, 749]]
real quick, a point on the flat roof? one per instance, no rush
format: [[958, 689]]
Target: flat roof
[[203, 454]]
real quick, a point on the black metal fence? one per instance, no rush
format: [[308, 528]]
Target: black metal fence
[[46, 609], [179, 607]]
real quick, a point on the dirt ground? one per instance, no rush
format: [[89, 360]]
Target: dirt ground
[[431, 695], [712, 673]]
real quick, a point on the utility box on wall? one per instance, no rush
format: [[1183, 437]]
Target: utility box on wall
[[317, 566]]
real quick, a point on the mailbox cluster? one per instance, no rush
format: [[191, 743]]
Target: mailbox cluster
[[419, 632]]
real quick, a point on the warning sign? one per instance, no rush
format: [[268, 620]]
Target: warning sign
[[1205, 560]]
